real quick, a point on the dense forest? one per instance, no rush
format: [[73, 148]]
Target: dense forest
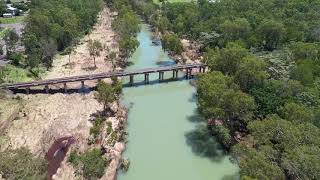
[[262, 95], [51, 26]]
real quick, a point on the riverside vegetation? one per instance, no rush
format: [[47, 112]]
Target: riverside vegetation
[[262, 96]]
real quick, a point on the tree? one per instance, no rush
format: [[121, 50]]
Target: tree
[[306, 72], [302, 162], [54, 25], [255, 164], [227, 60], [105, 94], [250, 73], [108, 93], [302, 50], [271, 34], [273, 94], [171, 42], [127, 46], [127, 24], [162, 23], [297, 113], [3, 7], [69, 51], [49, 49], [16, 58], [219, 98], [92, 163], [112, 57], [94, 47], [11, 38], [234, 30], [284, 135]]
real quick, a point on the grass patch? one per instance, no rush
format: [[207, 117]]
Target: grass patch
[[21, 164], [3, 32], [172, 1], [13, 74], [8, 107], [90, 164], [15, 19]]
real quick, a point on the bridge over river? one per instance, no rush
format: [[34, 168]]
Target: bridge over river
[[46, 83]]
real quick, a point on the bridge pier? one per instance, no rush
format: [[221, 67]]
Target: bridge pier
[[146, 78], [46, 88], [82, 84], [131, 80], [28, 90], [65, 87], [188, 73], [161, 74], [175, 74]]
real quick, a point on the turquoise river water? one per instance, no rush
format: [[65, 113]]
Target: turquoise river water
[[167, 139]]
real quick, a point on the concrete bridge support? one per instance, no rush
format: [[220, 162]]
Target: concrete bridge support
[[65, 87], [175, 74], [28, 90], [131, 80], [189, 73], [146, 78], [82, 84], [161, 76], [46, 88]]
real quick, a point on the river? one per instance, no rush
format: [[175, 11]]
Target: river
[[167, 139]]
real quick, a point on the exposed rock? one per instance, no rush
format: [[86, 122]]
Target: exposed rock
[[115, 154], [65, 172]]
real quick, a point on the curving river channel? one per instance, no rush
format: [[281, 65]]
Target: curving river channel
[[167, 139]]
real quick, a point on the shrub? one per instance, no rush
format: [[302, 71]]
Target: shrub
[[171, 42], [95, 130], [16, 58], [91, 163]]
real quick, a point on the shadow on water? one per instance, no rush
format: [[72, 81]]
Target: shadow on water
[[201, 141], [166, 63], [152, 82], [203, 144]]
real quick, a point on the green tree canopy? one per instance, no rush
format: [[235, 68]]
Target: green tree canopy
[[171, 42], [219, 98], [226, 60]]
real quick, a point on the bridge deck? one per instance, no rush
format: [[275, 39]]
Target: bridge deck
[[97, 76]]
